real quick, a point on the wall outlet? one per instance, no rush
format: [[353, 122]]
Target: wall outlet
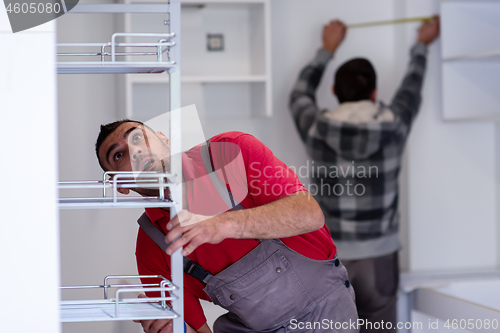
[[215, 42]]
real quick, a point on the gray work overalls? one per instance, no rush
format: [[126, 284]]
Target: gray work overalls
[[273, 288]]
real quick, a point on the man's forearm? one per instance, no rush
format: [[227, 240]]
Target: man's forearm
[[302, 99], [407, 100], [293, 215]]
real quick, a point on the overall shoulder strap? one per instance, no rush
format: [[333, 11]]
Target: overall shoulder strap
[[226, 194], [190, 267]]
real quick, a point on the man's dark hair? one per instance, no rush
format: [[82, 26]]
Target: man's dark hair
[[106, 130], [355, 80]]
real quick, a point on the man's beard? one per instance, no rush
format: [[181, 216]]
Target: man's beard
[[150, 192], [163, 165], [154, 192]]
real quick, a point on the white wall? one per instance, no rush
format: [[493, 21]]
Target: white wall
[[451, 180], [29, 247], [452, 185]]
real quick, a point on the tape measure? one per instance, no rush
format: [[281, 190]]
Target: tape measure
[[406, 20]]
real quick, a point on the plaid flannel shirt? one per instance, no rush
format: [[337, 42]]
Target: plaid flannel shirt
[[355, 167]]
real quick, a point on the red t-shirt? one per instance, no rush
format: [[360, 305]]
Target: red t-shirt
[[255, 177]]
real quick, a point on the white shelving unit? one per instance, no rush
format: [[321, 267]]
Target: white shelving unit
[[471, 59], [453, 295], [109, 196], [235, 82], [127, 53], [121, 307]]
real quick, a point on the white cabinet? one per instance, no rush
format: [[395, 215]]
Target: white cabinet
[[471, 59], [232, 82], [29, 244], [115, 57]]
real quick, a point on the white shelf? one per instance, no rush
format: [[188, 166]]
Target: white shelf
[[234, 82], [198, 2], [460, 300], [458, 295], [242, 26], [469, 27], [121, 307], [122, 202], [223, 79], [414, 280], [111, 183], [105, 55], [448, 307], [111, 68], [105, 311], [483, 56], [470, 90], [198, 79]]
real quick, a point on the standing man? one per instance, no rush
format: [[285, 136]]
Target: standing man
[[357, 150], [270, 261]]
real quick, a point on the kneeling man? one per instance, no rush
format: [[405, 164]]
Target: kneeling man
[[253, 228]]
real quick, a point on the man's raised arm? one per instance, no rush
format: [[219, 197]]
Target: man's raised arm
[[407, 100], [303, 97]]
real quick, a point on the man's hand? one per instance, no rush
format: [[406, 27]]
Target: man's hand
[[333, 35], [159, 325], [195, 230], [155, 325], [428, 31]]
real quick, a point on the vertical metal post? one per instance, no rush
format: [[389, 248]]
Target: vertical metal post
[[158, 53], [161, 188], [176, 162], [106, 287], [103, 50], [115, 187]]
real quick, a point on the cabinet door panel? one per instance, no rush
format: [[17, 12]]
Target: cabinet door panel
[[470, 90]]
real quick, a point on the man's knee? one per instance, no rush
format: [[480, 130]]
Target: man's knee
[[229, 323]]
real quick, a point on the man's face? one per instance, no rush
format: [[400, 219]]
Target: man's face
[[134, 147]]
